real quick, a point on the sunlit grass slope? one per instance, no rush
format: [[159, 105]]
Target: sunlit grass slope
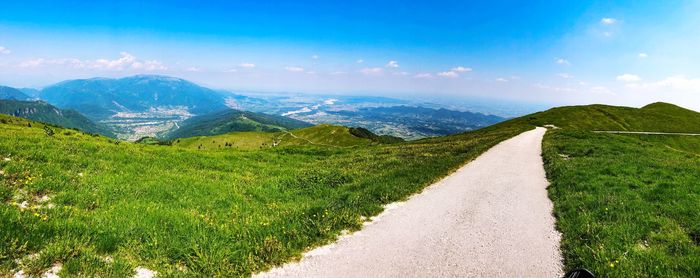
[[103, 207], [321, 135], [627, 205], [659, 117]]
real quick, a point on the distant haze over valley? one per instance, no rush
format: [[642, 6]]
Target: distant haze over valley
[[158, 106]]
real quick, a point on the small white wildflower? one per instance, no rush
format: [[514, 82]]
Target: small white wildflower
[[142, 272], [53, 271]]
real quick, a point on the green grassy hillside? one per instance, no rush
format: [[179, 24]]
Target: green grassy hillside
[[103, 207], [627, 205], [321, 135], [659, 117], [235, 141], [44, 112], [234, 120]]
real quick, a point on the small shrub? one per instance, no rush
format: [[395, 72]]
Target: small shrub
[[48, 131]]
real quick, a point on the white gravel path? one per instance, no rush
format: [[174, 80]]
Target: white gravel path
[[491, 218]]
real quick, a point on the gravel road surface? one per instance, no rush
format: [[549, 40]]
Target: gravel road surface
[[491, 218]]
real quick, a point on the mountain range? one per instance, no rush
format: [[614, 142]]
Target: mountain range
[[168, 107], [12, 94]]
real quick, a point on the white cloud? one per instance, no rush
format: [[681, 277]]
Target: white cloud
[[231, 70], [338, 73], [32, 63], [565, 75], [4, 50], [628, 78], [372, 71], [150, 65], [448, 74], [678, 82], [360, 61], [643, 55], [423, 75], [461, 69], [402, 73], [392, 64], [315, 57], [553, 88], [247, 65], [600, 90], [193, 69], [562, 61], [502, 79], [608, 21], [294, 69], [126, 61]]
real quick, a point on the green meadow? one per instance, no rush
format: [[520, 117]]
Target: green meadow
[[111, 206], [239, 203]]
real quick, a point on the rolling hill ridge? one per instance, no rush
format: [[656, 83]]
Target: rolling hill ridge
[[229, 120], [47, 113]]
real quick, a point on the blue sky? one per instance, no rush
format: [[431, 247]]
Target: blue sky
[[617, 52]]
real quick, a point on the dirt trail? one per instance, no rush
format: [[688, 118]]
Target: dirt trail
[[491, 218]]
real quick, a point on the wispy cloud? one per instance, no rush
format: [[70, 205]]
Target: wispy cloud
[[565, 75], [294, 69], [315, 57], [149, 65], [628, 78], [600, 90], [4, 50], [562, 61], [124, 62], [247, 65], [608, 20], [392, 64], [360, 61], [448, 74], [193, 69], [678, 82], [553, 88], [643, 55], [502, 79], [461, 69], [372, 71], [120, 63], [423, 75]]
